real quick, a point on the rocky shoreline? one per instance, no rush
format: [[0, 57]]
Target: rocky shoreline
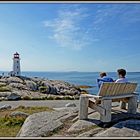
[[25, 88]]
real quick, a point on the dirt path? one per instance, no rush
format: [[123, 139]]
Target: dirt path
[[48, 103]]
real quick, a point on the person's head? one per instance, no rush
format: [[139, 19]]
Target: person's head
[[102, 74], [121, 73]]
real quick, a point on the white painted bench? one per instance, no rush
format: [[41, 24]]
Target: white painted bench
[[108, 93]]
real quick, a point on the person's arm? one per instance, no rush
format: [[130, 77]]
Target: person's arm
[[117, 81], [99, 82]]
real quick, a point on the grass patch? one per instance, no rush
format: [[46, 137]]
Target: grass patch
[[84, 92], [2, 84], [43, 89], [26, 98], [68, 98], [49, 97], [10, 126], [31, 110], [9, 131], [4, 89]]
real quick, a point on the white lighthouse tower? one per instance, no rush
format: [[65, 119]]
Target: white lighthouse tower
[[16, 65]]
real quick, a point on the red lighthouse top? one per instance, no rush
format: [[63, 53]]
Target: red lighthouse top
[[16, 55]]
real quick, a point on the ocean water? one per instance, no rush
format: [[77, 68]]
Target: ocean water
[[82, 78]]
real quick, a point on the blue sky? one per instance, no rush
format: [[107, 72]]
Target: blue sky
[[70, 37]]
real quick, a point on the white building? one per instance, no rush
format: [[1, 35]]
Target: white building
[[16, 65]]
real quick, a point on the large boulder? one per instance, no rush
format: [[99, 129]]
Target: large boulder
[[13, 96], [53, 90], [18, 86], [14, 80], [5, 94], [60, 87], [50, 88], [91, 132], [44, 123], [70, 105], [128, 128], [5, 107], [31, 85], [81, 125], [3, 80], [19, 114]]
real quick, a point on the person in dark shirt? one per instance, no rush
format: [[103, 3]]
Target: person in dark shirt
[[104, 78]]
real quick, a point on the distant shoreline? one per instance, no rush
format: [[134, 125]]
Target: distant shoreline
[[70, 71]]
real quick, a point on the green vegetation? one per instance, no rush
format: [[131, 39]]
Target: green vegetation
[[2, 84], [31, 110], [4, 89], [9, 131], [26, 98], [43, 89], [50, 98], [12, 121], [68, 98], [84, 92], [10, 126]]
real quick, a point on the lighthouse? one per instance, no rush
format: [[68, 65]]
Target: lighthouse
[[16, 65]]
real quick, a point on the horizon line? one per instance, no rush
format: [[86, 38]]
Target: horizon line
[[68, 71]]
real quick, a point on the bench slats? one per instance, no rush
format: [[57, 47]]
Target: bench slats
[[117, 89], [114, 89], [103, 89], [122, 88], [110, 89]]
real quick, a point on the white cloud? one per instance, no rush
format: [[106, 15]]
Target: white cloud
[[70, 31], [66, 28], [124, 14]]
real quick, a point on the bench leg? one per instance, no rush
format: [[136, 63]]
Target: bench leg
[[83, 114], [106, 104], [122, 105], [132, 105]]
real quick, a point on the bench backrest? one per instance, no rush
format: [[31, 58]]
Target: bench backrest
[[114, 89]]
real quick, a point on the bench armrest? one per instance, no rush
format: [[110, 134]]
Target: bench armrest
[[137, 93], [91, 96]]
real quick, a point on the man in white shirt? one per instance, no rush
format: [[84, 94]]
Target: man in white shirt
[[121, 74], [122, 79]]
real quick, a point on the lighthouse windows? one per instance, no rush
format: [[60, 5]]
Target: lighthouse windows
[[17, 67]]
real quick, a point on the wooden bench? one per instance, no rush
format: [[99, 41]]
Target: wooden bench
[[108, 93]]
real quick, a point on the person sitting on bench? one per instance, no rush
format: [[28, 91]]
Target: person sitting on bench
[[103, 78], [121, 74]]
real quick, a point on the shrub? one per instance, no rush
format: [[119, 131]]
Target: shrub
[[43, 89], [84, 92], [4, 89], [50, 98], [68, 98], [2, 84], [58, 98], [26, 98], [10, 121]]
